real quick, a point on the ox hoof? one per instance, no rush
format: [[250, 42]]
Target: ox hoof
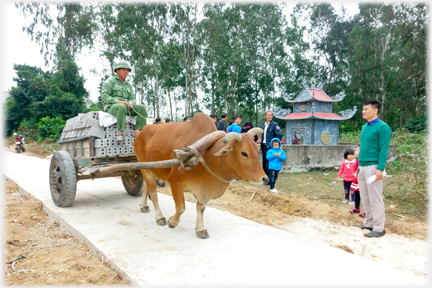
[[145, 209], [161, 221], [203, 234], [170, 225]]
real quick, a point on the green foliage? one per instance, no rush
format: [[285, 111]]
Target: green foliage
[[51, 128], [411, 158], [417, 124], [28, 127], [350, 137], [242, 56], [44, 94], [347, 129]]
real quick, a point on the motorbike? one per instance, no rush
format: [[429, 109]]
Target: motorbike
[[19, 141]]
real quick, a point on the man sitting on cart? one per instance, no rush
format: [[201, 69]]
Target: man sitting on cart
[[119, 100]]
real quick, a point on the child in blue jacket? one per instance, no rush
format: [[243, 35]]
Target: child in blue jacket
[[275, 156]]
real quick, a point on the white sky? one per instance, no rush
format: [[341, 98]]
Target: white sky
[[17, 48]]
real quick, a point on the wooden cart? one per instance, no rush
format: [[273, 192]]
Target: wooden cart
[[76, 161]]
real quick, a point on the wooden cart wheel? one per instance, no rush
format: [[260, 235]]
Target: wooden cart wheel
[[133, 183], [62, 179]]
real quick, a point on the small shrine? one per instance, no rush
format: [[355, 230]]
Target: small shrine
[[312, 121]]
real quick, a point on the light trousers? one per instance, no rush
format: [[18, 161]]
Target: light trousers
[[372, 199]]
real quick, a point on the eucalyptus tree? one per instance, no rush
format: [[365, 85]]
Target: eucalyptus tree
[[271, 38], [184, 29], [171, 70], [412, 21], [106, 14], [69, 25], [300, 63], [158, 20], [364, 67], [214, 39], [141, 29], [232, 61]]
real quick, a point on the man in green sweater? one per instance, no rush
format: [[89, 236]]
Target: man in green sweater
[[375, 141], [118, 99]]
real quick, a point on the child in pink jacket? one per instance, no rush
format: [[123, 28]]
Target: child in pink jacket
[[348, 169], [355, 187]]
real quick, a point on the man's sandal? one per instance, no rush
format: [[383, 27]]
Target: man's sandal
[[120, 137]]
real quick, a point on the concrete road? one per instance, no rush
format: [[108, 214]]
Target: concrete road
[[238, 252]]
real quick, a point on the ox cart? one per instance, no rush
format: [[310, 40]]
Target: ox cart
[[89, 150], [77, 161]]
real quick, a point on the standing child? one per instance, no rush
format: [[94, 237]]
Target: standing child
[[355, 187], [275, 156], [348, 169]]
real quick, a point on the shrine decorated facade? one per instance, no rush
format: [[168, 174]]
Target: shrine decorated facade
[[312, 121]]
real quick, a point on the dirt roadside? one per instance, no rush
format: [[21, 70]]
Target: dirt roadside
[[39, 252]]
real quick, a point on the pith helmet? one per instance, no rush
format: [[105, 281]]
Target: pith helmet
[[122, 64]]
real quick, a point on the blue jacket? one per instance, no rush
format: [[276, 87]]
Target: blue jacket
[[275, 163], [273, 131], [234, 128]]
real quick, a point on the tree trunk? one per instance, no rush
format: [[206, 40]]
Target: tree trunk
[[156, 87], [401, 117], [186, 60], [191, 70], [213, 89], [169, 98]]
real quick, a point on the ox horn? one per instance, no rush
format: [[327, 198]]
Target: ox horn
[[232, 136], [208, 140], [255, 131], [200, 145]]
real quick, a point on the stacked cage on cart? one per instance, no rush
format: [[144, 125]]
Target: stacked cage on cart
[[82, 136]]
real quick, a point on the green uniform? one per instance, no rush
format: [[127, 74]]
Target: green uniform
[[112, 90]]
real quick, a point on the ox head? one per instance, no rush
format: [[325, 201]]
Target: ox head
[[240, 157]]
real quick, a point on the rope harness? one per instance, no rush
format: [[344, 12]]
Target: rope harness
[[201, 159], [135, 112]]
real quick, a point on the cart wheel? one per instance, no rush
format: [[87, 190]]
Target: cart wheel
[[133, 184], [63, 179]]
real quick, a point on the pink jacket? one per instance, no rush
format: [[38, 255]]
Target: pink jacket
[[348, 169], [354, 184]]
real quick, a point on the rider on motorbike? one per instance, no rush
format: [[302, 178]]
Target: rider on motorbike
[[19, 141]]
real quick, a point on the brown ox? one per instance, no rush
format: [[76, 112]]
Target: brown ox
[[235, 159]]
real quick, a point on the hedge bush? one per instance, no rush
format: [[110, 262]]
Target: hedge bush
[[50, 128]]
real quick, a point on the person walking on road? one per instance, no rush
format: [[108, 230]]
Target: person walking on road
[[375, 141], [119, 100], [271, 130]]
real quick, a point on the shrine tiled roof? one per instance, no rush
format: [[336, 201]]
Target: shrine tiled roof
[[324, 116], [313, 94], [293, 116], [319, 95], [330, 116]]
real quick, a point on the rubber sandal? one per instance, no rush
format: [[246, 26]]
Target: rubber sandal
[[354, 211], [362, 215], [120, 137]]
